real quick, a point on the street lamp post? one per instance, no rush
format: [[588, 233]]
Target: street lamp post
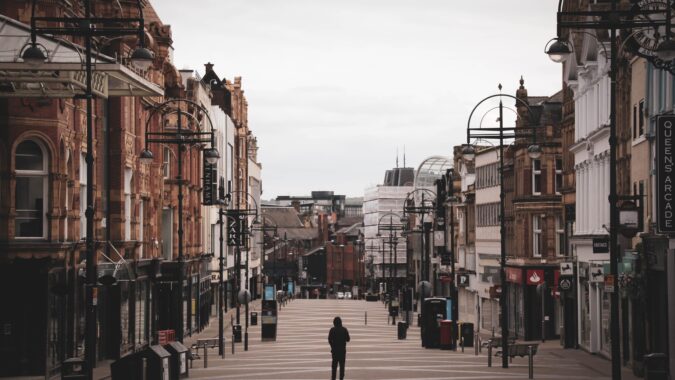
[[534, 151], [86, 27], [425, 207], [180, 137], [649, 23], [240, 217]]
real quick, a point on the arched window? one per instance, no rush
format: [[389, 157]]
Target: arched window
[[31, 190]]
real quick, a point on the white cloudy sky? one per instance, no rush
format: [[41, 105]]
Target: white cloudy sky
[[335, 87]]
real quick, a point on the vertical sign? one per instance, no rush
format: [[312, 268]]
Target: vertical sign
[[233, 228], [665, 174], [209, 183]]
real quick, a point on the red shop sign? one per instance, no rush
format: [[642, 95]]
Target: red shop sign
[[535, 276], [514, 275]]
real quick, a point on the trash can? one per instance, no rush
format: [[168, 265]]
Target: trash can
[[254, 318], [467, 334], [419, 319], [128, 367], [178, 360], [236, 332], [446, 334], [656, 366], [74, 369], [402, 330], [157, 363]]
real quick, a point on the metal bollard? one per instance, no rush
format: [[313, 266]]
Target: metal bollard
[[206, 357], [232, 344], [475, 343], [489, 353], [246, 340], [531, 362], [366, 317], [145, 368], [461, 342]]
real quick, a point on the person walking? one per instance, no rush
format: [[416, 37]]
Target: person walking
[[338, 338]]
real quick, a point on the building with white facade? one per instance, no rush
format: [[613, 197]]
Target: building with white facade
[[588, 79], [487, 240]]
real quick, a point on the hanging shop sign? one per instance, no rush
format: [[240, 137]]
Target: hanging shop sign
[[610, 283], [209, 184], [566, 269], [235, 227], [565, 283], [597, 273], [665, 174]]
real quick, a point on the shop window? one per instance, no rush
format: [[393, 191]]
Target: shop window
[[31, 190]]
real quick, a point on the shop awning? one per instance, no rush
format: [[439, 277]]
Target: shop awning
[[63, 75]]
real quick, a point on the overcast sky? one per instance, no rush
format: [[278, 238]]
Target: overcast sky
[[336, 87]]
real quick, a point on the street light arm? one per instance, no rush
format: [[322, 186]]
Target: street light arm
[[518, 100]]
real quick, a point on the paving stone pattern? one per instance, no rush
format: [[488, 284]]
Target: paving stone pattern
[[301, 351]]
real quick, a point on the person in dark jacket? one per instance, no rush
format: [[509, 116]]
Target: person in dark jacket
[[338, 338]]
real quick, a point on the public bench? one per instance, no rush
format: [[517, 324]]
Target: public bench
[[202, 343], [519, 349]]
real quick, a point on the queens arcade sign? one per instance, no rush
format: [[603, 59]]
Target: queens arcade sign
[[665, 174]]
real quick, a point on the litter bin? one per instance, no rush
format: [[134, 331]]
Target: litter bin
[[158, 363], [446, 334], [74, 369], [254, 318], [236, 332], [656, 366], [127, 367], [178, 360], [467, 334], [402, 330], [419, 319]]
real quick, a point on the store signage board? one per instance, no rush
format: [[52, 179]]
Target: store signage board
[[601, 245], [665, 174], [535, 276]]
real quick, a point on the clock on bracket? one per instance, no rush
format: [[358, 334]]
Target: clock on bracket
[[643, 39]]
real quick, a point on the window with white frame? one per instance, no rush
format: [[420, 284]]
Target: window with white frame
[[558, 174], [127, 204], [83, 195], [559, 236], [141, 227], [536, 177], [166, 163], [31, 190], [537, 247]]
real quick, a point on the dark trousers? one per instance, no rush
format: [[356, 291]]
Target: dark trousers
[[338, 358]]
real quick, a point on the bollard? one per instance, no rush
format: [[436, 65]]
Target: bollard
[[531, 362], [246, 340], [366, 317], [206, 357], [232, 344], [461, 342], [475, 343], [145, 368], [489, 353]]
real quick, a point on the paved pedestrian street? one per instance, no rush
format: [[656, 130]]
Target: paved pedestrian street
[[301, 351]]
